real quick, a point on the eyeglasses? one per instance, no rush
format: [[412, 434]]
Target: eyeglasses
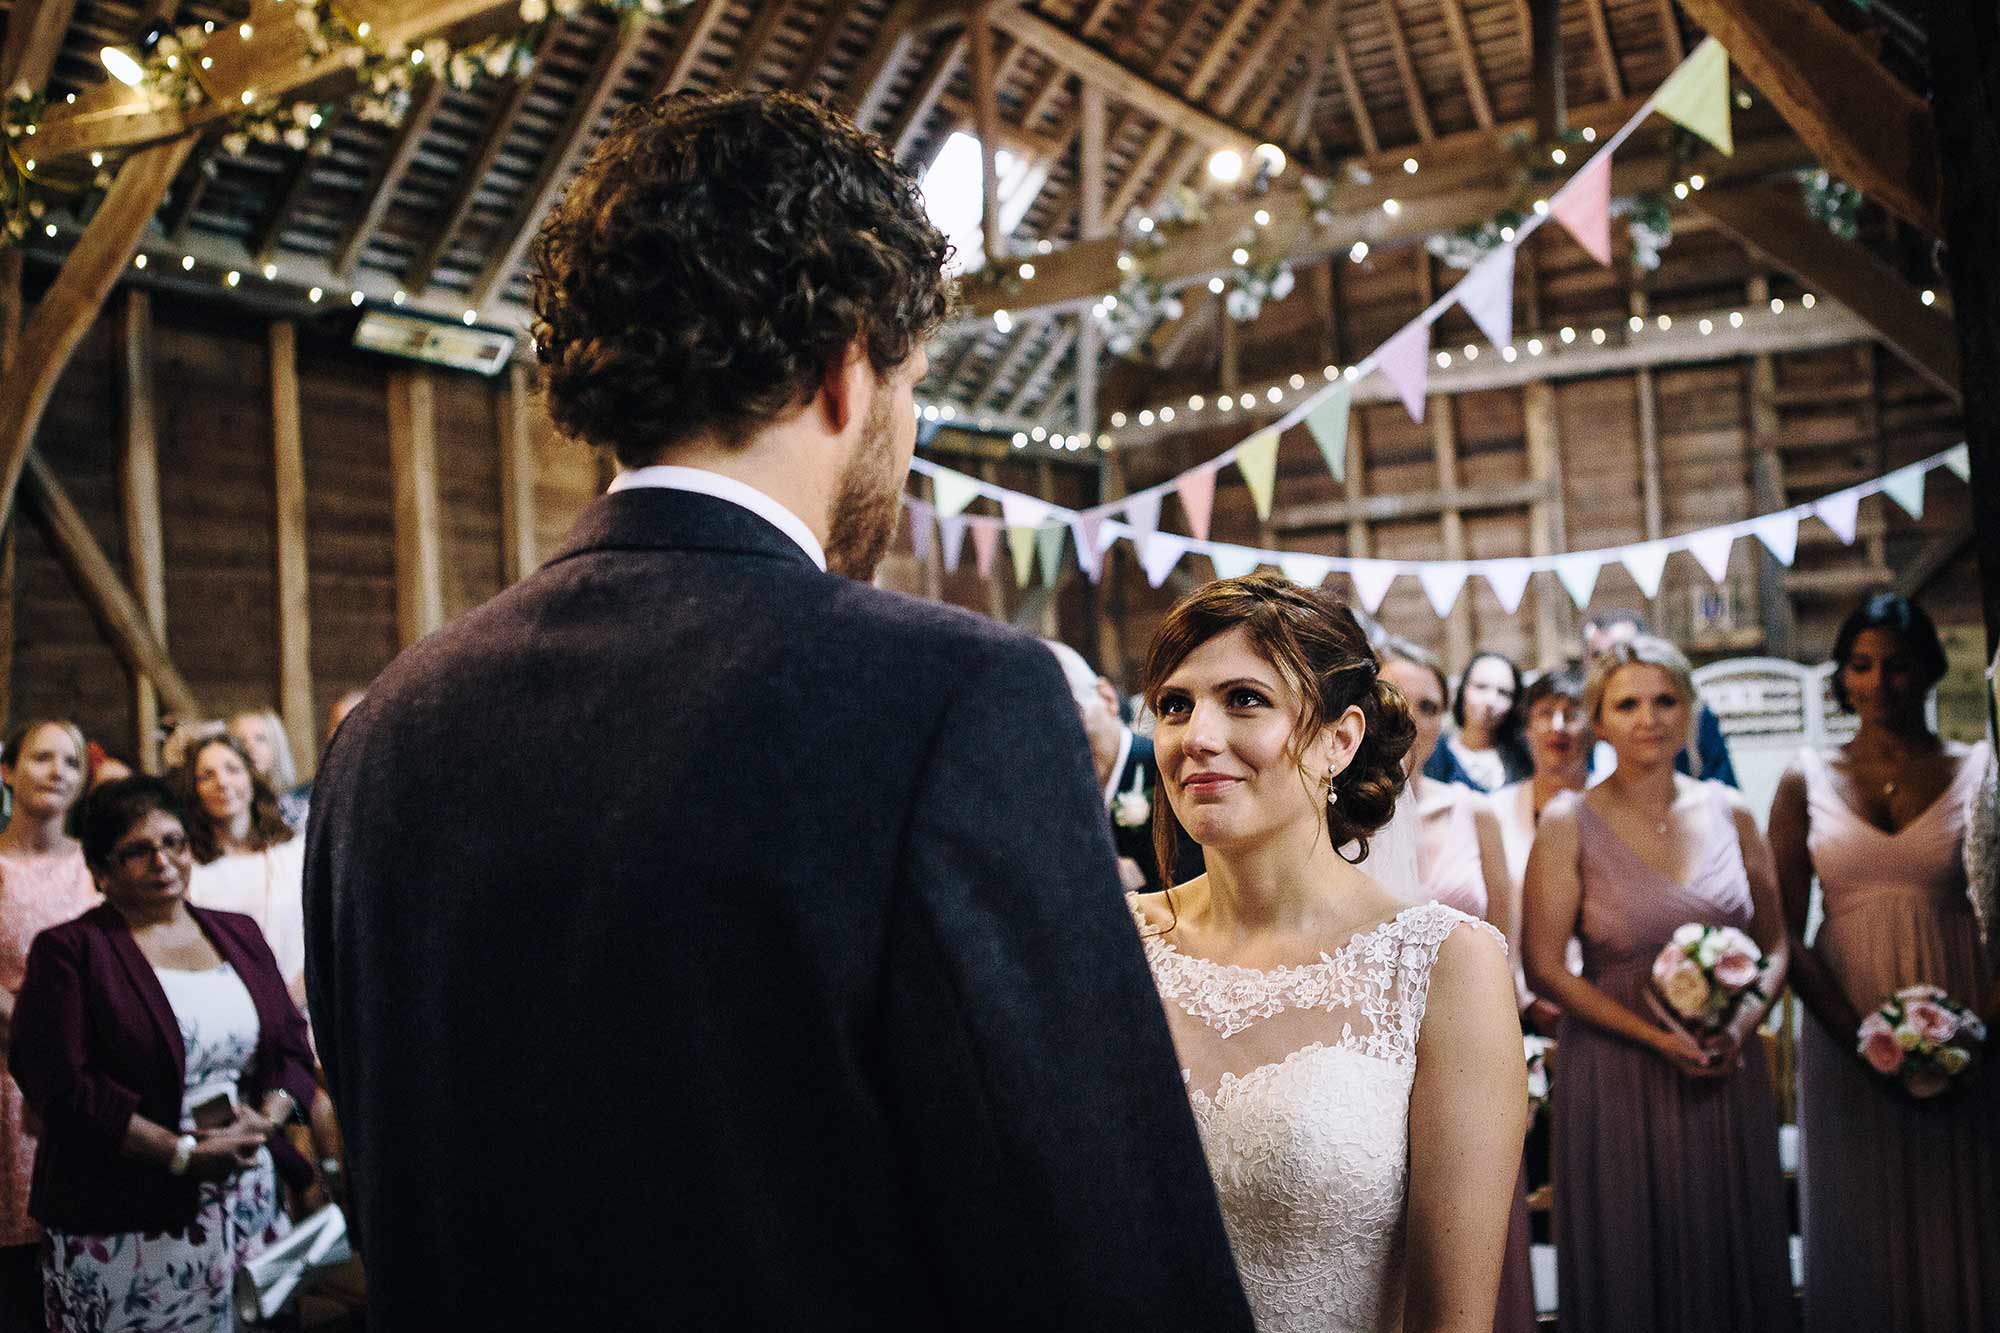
[[1555, 719], [139, 856]]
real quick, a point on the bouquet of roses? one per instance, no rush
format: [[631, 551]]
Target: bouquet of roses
[[1704, 973], [1537, 1050], [1923, 1038]]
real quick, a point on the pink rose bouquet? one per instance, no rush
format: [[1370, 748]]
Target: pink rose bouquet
[[1922, 1038], [1704, 973]]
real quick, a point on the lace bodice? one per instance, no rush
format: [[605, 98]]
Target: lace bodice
[[1300, 1080]]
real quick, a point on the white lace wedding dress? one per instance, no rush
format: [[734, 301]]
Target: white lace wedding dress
[[1300, 1080]]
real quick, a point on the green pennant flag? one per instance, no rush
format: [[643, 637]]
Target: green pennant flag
[[1021, 542], [1697, 95], [1258, 458], [1049, 543], [952, 491], [1328, 424]]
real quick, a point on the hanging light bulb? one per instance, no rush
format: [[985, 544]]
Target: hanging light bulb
[[1226, 165]]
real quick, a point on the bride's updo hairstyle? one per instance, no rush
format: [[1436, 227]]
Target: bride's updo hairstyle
[[1317, 646]]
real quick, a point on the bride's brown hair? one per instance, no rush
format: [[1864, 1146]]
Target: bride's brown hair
[[1322, 652]]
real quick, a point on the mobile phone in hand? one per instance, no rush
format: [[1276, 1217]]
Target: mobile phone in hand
[[218, 1112]]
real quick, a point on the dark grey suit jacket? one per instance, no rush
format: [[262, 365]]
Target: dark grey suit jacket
[[700, 940]]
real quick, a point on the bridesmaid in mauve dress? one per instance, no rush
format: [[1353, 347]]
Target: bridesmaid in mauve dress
[[1670, 1207], [1899, 1199]]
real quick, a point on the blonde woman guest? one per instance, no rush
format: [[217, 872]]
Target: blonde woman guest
[[247, 859], [1461, 861], [1352, 1059], [1899, 1199], [43, 882], [270, 749], [1670, 1209], [1559, 743]]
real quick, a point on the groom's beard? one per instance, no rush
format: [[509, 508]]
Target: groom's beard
[[864, 506]]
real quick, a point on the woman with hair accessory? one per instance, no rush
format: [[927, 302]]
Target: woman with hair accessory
[[43, 882], [1353, 1060], [1899, 1198], [1669, 1208], [247, 858]]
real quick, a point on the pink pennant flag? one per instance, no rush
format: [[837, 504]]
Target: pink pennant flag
[[1143, 511], [1646, 563], [921, 531], [1371, 581], [1840, 511], [1159, 552], [985, 542], [951, 531], [1405, 360], [1442, 581], [1088, 531], [1711, 551], [1233, 562], [1508, 579], [1487, 294], [1196, 487], [1584, 208]]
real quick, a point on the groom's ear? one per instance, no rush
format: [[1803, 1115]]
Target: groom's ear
[[846, 386]]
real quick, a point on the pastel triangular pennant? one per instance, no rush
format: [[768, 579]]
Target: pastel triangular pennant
[[1584, 208], [1442, 582], [1579, 575], [1233, 562], [1959, 459], [1328, 425], [1371, 581], [1780, 535], [1048, 552], [1906, 487], [1646, 563], [953, 491], [1487, 294], [985, 543], [1711, 551], [1508, 579], [1142, 511], [1405, 361], [1258, 459], [1697, 95], [1088, 531], [1196, 487], [951, 534], [1021, 546], [920, 516], [1159, 552], [1840, 511], [1308, 571], [1023, 511]]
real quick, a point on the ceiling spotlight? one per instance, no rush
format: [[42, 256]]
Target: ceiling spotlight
[[1002, 320], [1226, 165], [1358, 251], [1271, 158], [187, 263], [1410, 165]]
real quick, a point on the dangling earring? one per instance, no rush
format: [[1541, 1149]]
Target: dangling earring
[[1332, 796]]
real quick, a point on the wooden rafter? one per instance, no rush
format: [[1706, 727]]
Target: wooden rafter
[[35, 32], [942, 68], [293, 186], [1350, 87], [387, 178], [1406, 70], [195, 179], [1468, 61], [690, 37], [1058, 348], [1670, 32], [1008, 362], [1607, 54], [750, 48], [571, 141], [869, 83], [825, 38], [1865, 125]]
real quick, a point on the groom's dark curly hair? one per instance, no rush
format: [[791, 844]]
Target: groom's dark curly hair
[[713, 257]]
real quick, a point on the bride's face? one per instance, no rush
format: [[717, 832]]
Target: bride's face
[[1227, 746]]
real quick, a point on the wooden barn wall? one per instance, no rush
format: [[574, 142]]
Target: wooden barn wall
[[212, 386]]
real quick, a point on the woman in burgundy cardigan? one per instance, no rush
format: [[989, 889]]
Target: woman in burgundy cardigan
[[158, 1045]]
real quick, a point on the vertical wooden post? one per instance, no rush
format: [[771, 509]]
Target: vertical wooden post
[[288, 469], [1051, 619], [1546, 525], [1360, 537], [986, 116], [139, 499], [1091, 164], [419, 539], [1767, 489], [1110, 605], [10, 337], [1652, 501], [518, 556], [1451, 523]]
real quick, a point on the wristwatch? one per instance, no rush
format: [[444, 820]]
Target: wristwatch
[[291, 1108], [183, 1154]]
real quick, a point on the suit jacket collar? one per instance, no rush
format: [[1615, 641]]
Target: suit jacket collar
[[654, 519]]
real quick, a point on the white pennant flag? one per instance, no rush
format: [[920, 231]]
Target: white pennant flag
[[1906, 487], [1159, 552], [1711, 550], [1143, 511], [1371, 581], [1087, 529], [1308, 571], [1233, 562], [1579, 574], [1487, 294], [1508, 579], [951, 527], [1840, 511], [1442, 582], [1959, 459], [1023, 511], [1646, 563], [953, 491], [1780, 534]]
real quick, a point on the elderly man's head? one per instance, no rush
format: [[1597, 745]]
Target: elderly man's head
[[1096, 703], [1607, 629]]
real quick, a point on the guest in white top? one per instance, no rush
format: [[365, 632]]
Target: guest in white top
[[1484, 752], [247, 858]]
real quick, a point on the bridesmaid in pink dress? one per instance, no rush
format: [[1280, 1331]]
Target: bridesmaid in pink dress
[[1670, 1208], [1462, 862], [1900, 1199], [43, 882]]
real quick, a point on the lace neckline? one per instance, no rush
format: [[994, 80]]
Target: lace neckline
[[1284, 972]]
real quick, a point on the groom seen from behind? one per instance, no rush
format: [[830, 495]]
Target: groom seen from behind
[[698, 939]]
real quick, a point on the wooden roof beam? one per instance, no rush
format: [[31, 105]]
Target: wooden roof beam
[[1057, 349], [387, 177], [1607, 54], [35, 32], [1350, 87], [832, 24], [770, 16], [296, 185], [1865, 125], [869, 83], [909, 123], [1406, 70], [1468, 61], [697, 23]]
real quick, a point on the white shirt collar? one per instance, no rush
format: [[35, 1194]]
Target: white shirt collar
[[1118, 769], [703, 482]]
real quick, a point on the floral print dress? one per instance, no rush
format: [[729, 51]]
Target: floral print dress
[[177, 1281]]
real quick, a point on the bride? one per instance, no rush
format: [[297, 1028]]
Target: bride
[[1354, 1062]]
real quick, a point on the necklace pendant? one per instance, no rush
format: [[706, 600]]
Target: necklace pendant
[[1889, 789]]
